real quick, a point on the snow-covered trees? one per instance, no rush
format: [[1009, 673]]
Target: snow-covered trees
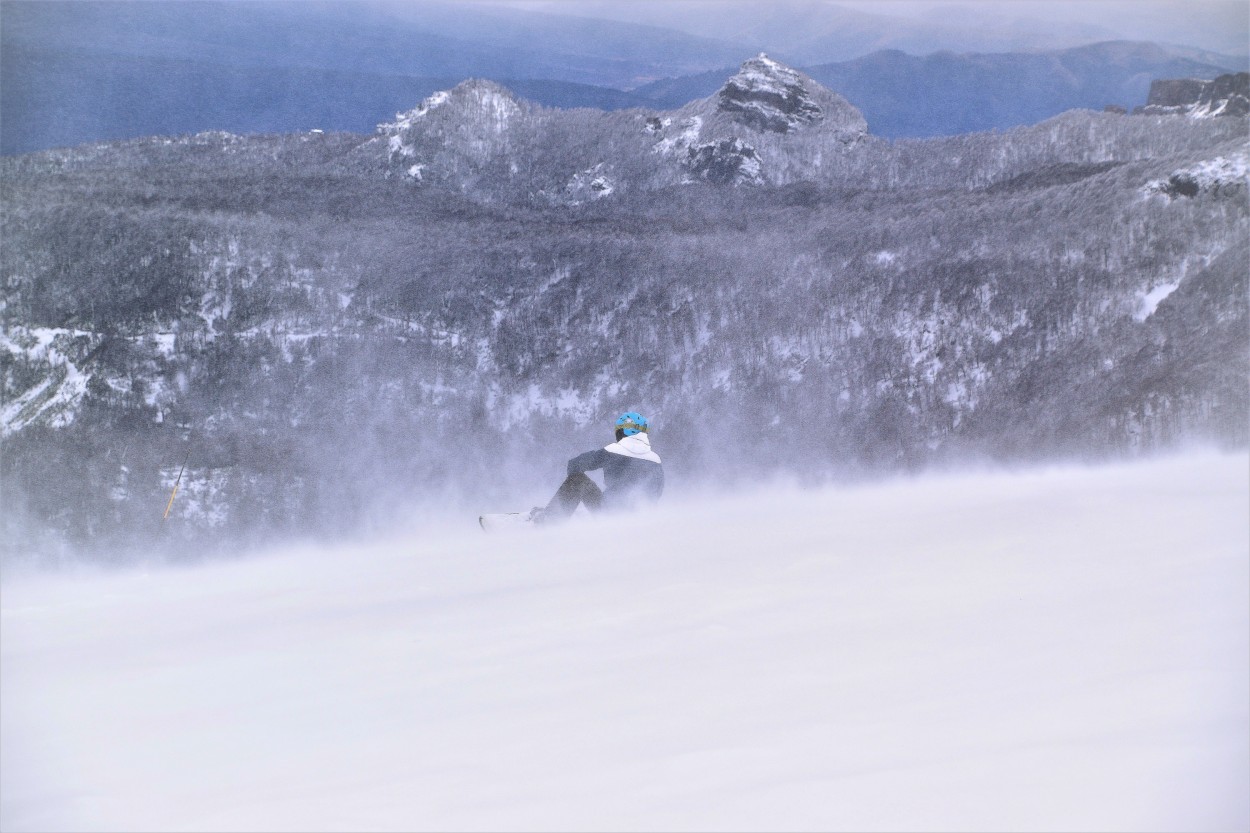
[[335, 344]]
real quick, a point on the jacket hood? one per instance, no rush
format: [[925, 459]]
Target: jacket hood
[[637, 446]]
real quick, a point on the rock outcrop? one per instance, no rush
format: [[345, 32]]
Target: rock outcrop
[[1227, 95]]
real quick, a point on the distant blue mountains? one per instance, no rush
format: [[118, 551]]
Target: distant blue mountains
[[79, 72]]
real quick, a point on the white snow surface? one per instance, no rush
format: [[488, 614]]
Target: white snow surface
[[689, 134], [1052, 649], [1150, 300], [1234, 168], [55, 399]]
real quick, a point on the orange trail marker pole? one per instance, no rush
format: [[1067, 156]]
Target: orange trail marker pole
[[170, 505]]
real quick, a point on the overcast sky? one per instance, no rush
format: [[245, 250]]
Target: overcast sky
[[1150, 19], [1219, 25]]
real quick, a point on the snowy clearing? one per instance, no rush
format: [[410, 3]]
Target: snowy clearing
[[1061, 649]]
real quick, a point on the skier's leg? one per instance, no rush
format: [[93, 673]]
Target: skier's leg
[[589, 493], [576, 489]]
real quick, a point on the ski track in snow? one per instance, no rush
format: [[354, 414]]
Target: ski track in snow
[[1056, 649]]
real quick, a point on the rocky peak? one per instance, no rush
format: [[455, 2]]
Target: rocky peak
[[770, 96]]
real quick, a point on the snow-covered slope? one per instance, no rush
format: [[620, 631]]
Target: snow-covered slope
[[1061, 650]]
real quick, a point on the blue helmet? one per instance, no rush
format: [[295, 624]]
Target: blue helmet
[[630, 423]]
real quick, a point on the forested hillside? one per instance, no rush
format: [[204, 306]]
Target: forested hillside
[[334, 329]]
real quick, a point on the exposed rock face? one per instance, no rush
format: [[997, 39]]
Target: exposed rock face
[[1175, 92], [771, 97], [1227, 95], [768, 96], [724, 162]]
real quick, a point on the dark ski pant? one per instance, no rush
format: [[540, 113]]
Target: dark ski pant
[[577, 489]]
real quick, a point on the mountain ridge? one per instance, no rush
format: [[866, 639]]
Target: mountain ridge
[[122, 71]]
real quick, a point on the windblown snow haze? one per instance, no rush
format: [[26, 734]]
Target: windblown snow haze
[[1060, 649]]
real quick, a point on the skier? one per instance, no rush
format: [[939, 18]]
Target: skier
[[632, 474]]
